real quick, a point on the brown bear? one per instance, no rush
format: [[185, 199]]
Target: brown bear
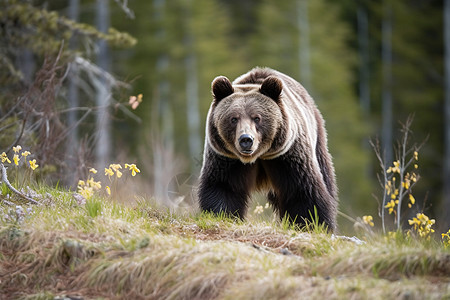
[[265, 133]]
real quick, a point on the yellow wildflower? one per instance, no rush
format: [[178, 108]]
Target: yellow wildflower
[[116, 168], [26, 153], [88, 187], [406, 181], [108, 190], [134, 170], [109, 172], [394, 194], [368, 220], [422, 225], [391, 206], [395, 168], [16, 159], [416, 155], [412, 199], [388, 187], [446, 239], [413, 221], [33, 164], [94, 184], [4, 158], [93, 170], [17, 148], [86, 192]]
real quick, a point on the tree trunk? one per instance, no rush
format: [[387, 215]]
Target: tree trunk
[[446, 173], [103, 99], [193, 109], [386, 55], [26, 65], [73, 99], [164, 140], [304, 58], [363, 49]]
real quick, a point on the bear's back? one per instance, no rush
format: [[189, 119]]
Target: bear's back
[[294, 91], [297, 105], [255, 76]]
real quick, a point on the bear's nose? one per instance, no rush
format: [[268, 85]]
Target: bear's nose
[[246, 141]]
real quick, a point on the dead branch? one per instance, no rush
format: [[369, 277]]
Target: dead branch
[[376, 147], [8, 184], [123, 4], [24, 121], [94, 72]]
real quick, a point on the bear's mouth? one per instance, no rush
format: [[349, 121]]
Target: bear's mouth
[[247, 152]]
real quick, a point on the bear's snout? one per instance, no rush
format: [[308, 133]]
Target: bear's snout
[[246, 143]]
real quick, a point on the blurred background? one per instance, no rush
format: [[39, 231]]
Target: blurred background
[[88, 83]]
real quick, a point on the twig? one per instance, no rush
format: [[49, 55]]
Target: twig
[[401, 159], [7, 202], [5, 180], [94, 72], [6, 115], [352, 239], [124, 6], [19, 136], [376, 147]]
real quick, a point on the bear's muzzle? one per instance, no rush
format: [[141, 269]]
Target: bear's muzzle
[[246, 143]]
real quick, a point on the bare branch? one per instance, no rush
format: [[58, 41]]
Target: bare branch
[[18, 102], [19, 136], [92, 69], [80, 120], [8, 184], [124, 6], [376, 147]]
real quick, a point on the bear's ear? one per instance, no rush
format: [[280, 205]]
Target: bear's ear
[[221, 88], [271, 87]]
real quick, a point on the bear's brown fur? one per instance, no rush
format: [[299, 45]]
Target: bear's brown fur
[[264, 132]]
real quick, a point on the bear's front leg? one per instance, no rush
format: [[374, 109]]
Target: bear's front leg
[[223, 186], [299, 191], [300, 207]]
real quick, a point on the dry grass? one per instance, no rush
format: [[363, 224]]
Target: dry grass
[[139, 252]]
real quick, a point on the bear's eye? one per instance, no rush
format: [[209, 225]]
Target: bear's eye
[[234, 120], [256, 119]]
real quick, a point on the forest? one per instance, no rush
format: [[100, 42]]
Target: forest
[[87, 83], [103, 105]]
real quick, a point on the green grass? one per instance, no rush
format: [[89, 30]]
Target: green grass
[[103, 249]]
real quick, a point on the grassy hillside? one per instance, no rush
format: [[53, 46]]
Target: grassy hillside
[[101, 249]]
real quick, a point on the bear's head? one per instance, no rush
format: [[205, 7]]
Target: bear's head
[[245, 117]]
